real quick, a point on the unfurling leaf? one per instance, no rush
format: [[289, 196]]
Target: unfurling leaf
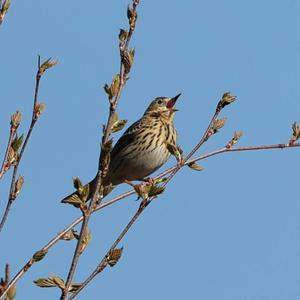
[[174, 150], [115, 85], [52, 281], [16, 144], [12, 157], [195, 166], [130, 12], [218, 124], [155, 190], [296, 133], [106, 189], [119, 125], [227, 99], [68, 236], [16, 119], [234, 140], [39, 255], [123, 35], [145, 191], [77, 183], [83, 192], [49, 63], [11, 294], [237, 135], [73, 200], [107, 89], [132, 16], [105, 155], [112, 90], [5, 6], [160, 180], [39, 109], [87, 237], [142, 190], [127, 59], [74, 287], [114, 256], [18, 185]]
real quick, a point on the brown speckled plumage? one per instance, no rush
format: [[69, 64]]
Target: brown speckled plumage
[[142, 149]]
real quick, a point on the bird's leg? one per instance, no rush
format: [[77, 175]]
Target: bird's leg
[[130, 183], [148, 181], [180, 162]]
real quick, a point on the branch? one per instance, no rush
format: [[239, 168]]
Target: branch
[[105, 260], [60, 235], [114, 98], [36, 112], [211, 129]]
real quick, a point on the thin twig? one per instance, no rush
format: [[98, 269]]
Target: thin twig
[[101, 266], [107, 132], [33, 122], [103, 263], [59, 236]]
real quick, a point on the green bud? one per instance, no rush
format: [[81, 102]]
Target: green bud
[[114, 256]]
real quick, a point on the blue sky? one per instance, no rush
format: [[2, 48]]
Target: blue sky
[[230, 232]]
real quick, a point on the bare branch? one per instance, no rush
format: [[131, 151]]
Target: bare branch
[[104, 262], [60, 235], [123, 75], [36, 111]]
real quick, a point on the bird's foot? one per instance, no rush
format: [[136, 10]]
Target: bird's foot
[[148, 181], [180, 162]]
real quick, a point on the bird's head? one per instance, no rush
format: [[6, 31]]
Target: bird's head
[[162, 107]]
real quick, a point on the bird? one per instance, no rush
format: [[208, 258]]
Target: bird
[[143, 147]]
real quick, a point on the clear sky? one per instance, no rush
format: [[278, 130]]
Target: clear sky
[[230, 232]]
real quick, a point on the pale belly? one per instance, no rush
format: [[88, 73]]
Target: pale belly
[[141, 165]]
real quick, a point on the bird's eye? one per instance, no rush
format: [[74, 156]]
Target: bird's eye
[[159, 101]]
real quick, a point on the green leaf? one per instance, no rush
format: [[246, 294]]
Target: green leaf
[[119, 125], [77, 183], [52, 281], [49, 63], [155, 190], [227, 99], [87, 237], [123, 35], [73, 200], [74, 287], [16, 144], [39, 255], [68, 236], [218, 124], [11, 294], [130, 12], [16, 119], [19, 184]]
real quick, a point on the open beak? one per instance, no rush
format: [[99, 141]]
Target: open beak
[[171, 103]]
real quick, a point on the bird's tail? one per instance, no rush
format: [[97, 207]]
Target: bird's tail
[[74, 197]]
